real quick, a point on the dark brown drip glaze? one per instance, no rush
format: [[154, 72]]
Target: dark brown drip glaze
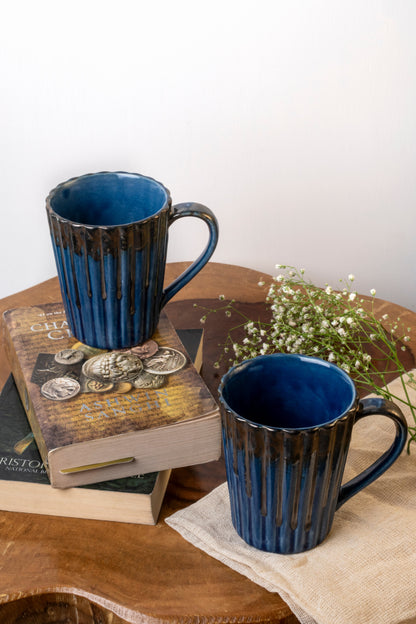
[[96, 243], [302, 451]]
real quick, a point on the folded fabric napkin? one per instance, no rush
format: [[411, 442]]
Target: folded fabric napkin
[[365, 570]]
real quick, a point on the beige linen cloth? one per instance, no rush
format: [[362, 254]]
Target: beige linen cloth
[[365, 570]]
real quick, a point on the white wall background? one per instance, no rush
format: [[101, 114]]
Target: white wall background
[[293, 120]]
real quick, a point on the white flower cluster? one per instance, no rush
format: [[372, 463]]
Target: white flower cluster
[[306, 319], [335, 324]]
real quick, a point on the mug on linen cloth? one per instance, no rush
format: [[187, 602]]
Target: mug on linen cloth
[[109, 234], [287, 423]]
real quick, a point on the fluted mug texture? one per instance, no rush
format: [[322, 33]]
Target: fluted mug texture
[[109, 234], [287, 422]]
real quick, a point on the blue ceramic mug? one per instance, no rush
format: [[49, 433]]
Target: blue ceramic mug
[[287, 422], [110, 234]]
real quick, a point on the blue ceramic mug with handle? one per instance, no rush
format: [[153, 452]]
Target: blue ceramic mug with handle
[[110, 235], [287, 422]]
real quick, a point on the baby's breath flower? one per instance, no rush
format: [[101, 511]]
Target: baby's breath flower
[[336, 326], [373, 292]]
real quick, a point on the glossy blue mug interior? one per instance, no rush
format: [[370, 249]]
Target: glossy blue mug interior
[[109, 199], [288, 392]]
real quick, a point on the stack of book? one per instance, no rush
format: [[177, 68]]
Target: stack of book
[[95, 434]]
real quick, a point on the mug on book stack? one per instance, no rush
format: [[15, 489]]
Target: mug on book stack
[[110, 235], [287, 422]]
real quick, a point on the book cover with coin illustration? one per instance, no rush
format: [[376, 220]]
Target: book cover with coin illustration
[[100, 415], [25, 487]]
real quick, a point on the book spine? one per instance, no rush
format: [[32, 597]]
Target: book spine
[[21, 385]]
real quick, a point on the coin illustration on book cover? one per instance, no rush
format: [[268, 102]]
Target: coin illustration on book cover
[[145, 350], [115, 366], [60, 388], [93, 385], [165, 361], [69, 356], [123, 387], [149, 380]]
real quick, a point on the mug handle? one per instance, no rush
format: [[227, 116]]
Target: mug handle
[[371, 407], [191, 209]]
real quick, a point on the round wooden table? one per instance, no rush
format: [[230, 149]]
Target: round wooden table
[[56, 570]]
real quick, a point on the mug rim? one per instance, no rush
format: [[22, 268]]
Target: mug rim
[[292, 356], [52, 212]]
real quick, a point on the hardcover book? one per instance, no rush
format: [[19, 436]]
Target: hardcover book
[[100, 415], [25, 487]]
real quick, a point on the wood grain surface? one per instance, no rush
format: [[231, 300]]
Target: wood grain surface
[[56, 570]]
